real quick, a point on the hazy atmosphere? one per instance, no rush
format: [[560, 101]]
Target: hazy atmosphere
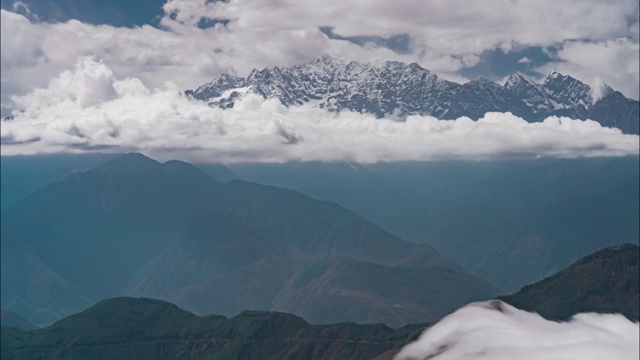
[[280, 179]]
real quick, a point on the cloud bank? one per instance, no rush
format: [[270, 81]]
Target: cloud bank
[[91, 109], [585, 39], [497, 331]]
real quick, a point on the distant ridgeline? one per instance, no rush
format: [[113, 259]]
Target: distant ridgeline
[[137, 227], [398, 89], [128, 328], [511, 223]]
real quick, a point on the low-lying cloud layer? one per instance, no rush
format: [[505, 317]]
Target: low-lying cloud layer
[[497, 331], [90, 109]]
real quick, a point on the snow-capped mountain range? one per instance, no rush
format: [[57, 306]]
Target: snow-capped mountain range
[[393, 88]]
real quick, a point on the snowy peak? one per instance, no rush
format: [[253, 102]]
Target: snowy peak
[[570, 96], [565, 87], [477, 97], [518, 79], [554, 75], [217, 87], [329, 61], [381, 88], [531, 93], [557, 80], [324, 58], [387, 88]]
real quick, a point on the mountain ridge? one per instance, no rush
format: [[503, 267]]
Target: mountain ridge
[[136, 227], [392, 88], [141, 328], [144, 328], [604, 281]]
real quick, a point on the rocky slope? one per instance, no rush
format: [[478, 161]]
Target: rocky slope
[[605, 281], [396, 89]]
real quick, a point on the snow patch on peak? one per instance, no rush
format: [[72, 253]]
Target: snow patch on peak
[[393, 88], [554, 75], [518, 78], [514, 80]]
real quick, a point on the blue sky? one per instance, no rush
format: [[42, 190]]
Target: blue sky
[[111, 12]]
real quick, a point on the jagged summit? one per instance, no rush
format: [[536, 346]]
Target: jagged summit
[[569, 94], [518, 78], [391, 87], [533, 94], [335, 84], [553, 75]]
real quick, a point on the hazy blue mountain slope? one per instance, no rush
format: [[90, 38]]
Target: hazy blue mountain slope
[[525, 208], [465, 208], [22, 175], [13, 320], [134, 226], [536, 235]]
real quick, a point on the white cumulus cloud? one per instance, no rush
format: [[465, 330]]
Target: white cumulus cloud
[[619, 61], [497, 331], [596, 38], [89, 108]]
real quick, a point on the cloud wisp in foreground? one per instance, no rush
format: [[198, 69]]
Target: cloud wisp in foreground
[[90, 109], [495, 330]]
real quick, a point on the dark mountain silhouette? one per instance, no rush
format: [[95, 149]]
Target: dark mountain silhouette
[[606, 281], [137, 227], [124, 328], [128, 328]]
